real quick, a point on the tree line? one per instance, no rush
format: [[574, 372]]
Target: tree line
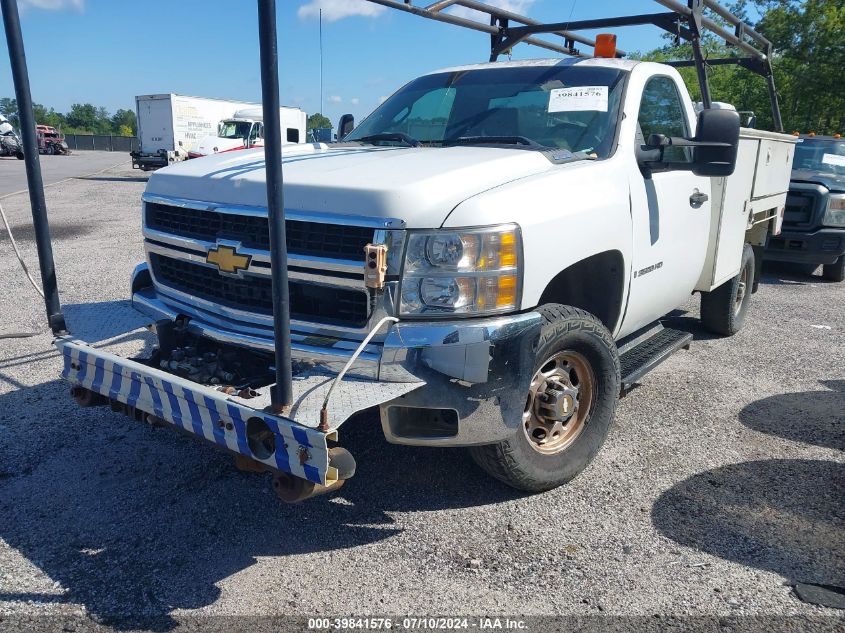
[[82, 118], [808, 61]]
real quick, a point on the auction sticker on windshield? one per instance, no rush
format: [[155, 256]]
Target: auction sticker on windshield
[[834, 159], [580, 99]]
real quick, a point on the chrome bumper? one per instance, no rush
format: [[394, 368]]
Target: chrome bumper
[[477, 369]]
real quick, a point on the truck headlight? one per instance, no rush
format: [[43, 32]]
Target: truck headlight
[[835, 215], [462, 272]]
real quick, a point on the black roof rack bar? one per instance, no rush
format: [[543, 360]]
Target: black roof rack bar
[[500, 24], [717, 29], [503, 14], [686, 20], [735, 21], [749, 63], [601, 23], [436, 12], [760, 61]]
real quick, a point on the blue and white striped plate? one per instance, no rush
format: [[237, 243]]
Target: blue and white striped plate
[[200, 410]]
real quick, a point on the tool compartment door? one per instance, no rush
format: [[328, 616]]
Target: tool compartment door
[[774, 167], [729, 219]]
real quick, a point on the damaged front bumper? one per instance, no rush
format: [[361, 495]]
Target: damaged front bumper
[[475, 371], [295, 444], [455, 383]]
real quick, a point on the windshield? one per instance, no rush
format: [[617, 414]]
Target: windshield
[[234, 129], [563, 106], [821, 155]]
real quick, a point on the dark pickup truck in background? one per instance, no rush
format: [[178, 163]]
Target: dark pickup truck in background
[[814, 222]]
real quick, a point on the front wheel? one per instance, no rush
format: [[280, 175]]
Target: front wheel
[[835, 271], [723, 311], [569, 407], [19, 156]]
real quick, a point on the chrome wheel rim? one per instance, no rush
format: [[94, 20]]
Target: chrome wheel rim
[[742, 290], [559, 403]]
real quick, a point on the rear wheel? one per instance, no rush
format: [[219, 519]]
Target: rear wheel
[[569, 407], [835, 271], [723, 311], [19, 156]]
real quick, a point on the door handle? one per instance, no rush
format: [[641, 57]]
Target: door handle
[[697, 199]]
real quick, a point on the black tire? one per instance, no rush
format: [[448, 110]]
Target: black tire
[[515, 461], [723, 311], [835, 271], [19, 156]]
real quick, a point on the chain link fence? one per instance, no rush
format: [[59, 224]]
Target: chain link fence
[[102, 142]]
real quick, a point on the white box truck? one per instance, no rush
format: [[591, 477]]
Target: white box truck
[[170, 125]]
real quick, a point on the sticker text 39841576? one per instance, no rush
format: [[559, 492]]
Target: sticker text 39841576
[[580, 99]]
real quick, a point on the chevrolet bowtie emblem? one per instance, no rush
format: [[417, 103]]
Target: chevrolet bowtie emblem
[[227, 260]]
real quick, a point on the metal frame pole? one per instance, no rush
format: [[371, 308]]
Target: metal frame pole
[[281, 394], [701, 71], [20, 77], [696, 26], [773, 94]]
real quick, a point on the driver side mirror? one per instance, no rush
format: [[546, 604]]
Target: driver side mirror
[[717, 141], [346, 125], [715, 146]]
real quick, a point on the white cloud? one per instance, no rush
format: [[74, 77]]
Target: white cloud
[[355, 101], [334, 10], [335, 99], [52, 5], [514, 6], [382, 99]]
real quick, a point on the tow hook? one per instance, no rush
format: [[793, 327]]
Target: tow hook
[[291, 489]]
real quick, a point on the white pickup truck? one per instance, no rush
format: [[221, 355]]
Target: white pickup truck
[[529, 224]]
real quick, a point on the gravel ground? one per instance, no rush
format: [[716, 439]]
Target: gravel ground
[[719, 488]]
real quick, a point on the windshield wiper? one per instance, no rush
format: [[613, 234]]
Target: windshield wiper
[[493, 140], [400, 137]]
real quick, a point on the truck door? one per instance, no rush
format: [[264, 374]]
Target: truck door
[[671, 212]]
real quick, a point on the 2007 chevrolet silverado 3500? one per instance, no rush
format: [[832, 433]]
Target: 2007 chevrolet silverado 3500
[[525, 227]]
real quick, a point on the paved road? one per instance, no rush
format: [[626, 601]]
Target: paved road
[[56, 168], [719, 487]]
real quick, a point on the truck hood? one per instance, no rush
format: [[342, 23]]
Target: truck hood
[[834, 182], [419, 186]]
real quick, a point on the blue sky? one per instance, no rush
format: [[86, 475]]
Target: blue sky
[[107, 51]]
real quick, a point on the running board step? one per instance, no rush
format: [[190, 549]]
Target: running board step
[[637, 361]]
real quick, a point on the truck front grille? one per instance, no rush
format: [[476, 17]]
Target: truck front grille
[[253, 293], [800, 208], [314, 239]]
